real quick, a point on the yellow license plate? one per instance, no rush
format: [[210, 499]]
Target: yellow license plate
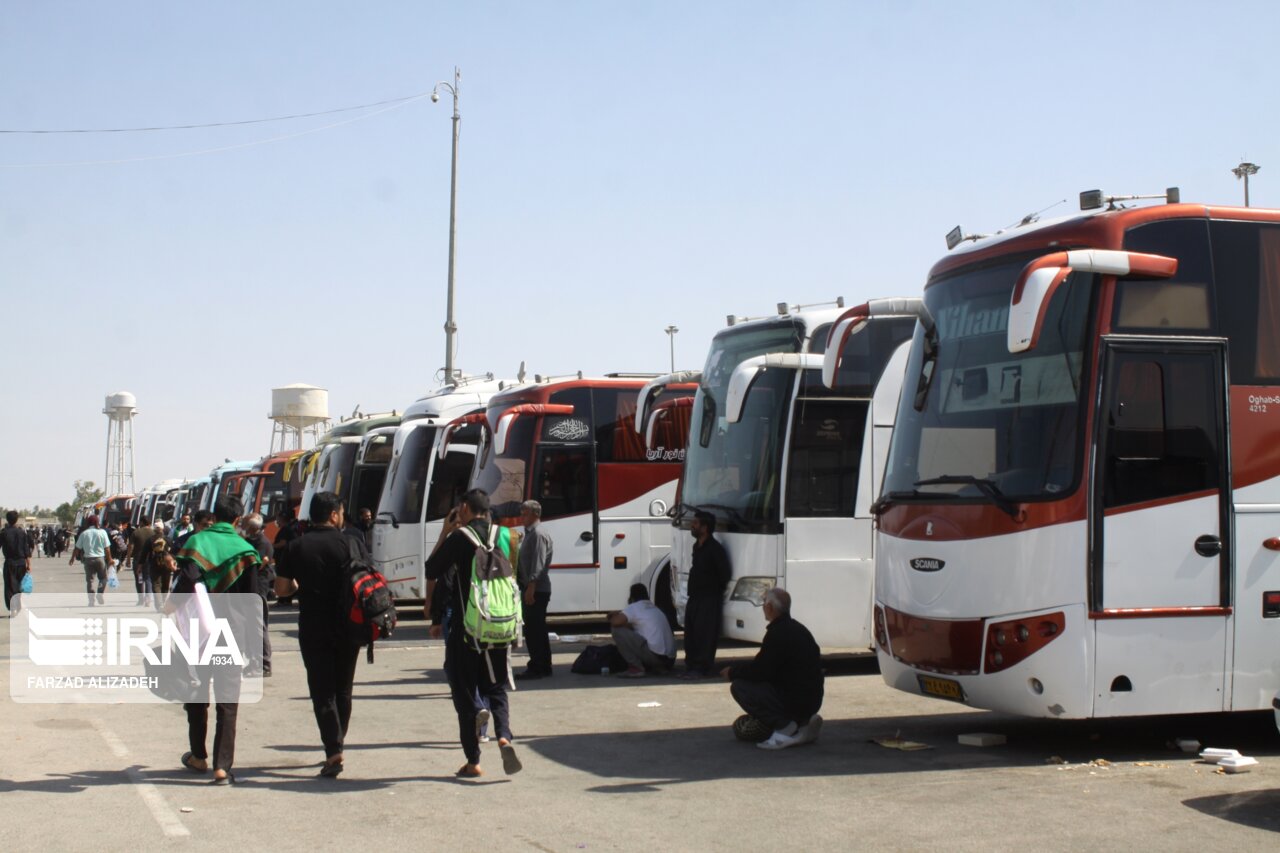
[[943, 688]]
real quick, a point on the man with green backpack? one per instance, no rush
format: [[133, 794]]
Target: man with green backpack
[[471, 565]]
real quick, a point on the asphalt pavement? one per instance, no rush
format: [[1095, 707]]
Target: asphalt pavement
[[612, 764]]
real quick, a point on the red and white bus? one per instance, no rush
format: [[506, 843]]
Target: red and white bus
[[571, 445], [788, 467], [1081, 510]]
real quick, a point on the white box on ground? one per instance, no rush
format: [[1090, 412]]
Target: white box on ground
[[982, 739]]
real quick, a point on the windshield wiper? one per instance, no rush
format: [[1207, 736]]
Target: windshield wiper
[[988, 488], [391, 515]]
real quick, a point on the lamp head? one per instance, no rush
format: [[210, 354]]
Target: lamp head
[[435, 96]]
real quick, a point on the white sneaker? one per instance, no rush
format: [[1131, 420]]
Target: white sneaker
[[779, 740], [809, 733]]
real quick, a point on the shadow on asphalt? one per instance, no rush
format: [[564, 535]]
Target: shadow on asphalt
[[1258, 809], [651, 760]]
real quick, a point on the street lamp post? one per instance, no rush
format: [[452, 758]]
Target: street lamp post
[[450, 327], [671, 333], [1243, 171]]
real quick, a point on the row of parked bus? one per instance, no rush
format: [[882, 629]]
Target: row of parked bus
[[1049, 485]]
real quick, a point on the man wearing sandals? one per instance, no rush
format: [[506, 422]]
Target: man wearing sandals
[[224, 563], [470, 670]]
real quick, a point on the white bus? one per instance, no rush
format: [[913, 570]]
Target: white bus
[[420, 487], [789, 468], [1081, 510]]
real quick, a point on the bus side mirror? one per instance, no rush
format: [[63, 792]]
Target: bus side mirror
[[746, 372], [661, 412], [855, 320], [649, 394], [1041, 278]]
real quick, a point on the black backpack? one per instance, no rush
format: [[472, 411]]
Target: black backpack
[[369, 607]]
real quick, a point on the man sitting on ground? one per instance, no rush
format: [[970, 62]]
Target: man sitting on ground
[[643, 635], [782, 686]]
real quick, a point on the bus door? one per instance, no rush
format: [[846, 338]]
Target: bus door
[[1160, 525], [564, 483]]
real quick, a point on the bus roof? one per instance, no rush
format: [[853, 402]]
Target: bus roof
[[1102, 229]]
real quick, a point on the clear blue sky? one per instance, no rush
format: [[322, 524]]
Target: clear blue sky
[[624, 165]]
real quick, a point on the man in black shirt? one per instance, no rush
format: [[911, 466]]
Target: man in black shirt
[[708, 577], [218, 558], [315, 567], [783, 686], [17, 557], [266, 577], [470, 671]]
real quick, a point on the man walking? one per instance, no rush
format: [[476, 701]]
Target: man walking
[[224, 563], [471, 670], [708, 577], [138, 557], [315, 567], [93, 548], [535, 582], [783, 686], [17, 557], [266, 577]]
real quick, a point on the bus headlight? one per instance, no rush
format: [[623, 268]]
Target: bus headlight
[[752, 590]]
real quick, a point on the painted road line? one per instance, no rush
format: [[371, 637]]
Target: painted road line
[[151, 796]]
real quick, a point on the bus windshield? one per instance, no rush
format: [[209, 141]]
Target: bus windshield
[[992, 425], [734, 471], [409, 476], [504, 476]]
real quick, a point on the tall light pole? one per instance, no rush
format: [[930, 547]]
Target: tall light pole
[[451, 328], [671, 333], [1243, 171]]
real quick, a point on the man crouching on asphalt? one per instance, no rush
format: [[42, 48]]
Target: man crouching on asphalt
[[782, 686]]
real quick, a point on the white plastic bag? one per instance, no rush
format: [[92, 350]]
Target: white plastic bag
[[112, 580]]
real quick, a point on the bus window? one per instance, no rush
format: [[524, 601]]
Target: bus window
[[826, 446], [1160, 428], [448, 483], [1246, 261], [563, 481], [614, 413]]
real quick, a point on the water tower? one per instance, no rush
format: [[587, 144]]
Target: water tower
[[120, 409], [299, 414]]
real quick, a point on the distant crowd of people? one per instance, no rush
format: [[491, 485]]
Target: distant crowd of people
[[474, 570]]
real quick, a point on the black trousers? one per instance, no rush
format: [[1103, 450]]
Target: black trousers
[[13, 572], [535, 633], [224, 733], [331, 671], [701, 632], [468, 679]]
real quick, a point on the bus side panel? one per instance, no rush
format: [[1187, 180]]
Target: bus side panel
[[1257, 638], [1168, 665], [574, 572], [634, 537], [830, 575]]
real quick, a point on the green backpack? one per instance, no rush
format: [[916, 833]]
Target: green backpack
[[492, 615]]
